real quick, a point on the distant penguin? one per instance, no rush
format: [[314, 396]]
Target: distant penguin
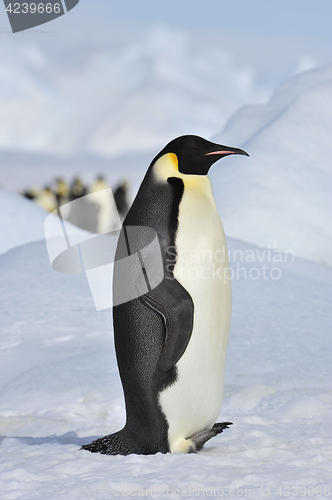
[[120, 197], [98, 185], [171, 342], [77, 189], [61, 191], [46, 199], [31, 193], [101, 197]]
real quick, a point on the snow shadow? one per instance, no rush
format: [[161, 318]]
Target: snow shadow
[[67, 438]]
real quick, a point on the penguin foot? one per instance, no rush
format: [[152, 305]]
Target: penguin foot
[[124, 443], [113, 444], [201, 437]]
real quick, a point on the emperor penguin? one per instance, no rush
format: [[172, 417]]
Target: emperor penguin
[[171, 342]]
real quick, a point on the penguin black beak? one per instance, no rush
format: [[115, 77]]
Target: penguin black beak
[[225, 150]]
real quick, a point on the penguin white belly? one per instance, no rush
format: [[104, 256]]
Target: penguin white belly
[[194, 401]]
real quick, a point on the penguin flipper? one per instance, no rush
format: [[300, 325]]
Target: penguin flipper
[[174, 303]]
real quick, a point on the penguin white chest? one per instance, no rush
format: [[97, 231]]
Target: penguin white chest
[[194, 401]]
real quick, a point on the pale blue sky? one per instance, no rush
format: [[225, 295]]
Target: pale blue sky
[[261, 18], [252, 17]]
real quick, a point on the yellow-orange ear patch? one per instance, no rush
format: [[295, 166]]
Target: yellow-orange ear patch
[[166, 166], [174, 159]]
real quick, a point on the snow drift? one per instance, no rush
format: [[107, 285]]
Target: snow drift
[[281, 196]]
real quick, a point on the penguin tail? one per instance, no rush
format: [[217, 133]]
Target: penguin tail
[[200, 438], [219, 427]]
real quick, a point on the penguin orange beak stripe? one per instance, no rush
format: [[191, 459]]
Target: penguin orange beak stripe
[[219, 153], [228, 152]]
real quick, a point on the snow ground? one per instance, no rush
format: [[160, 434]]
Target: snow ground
[[22, 221], [60, 387]]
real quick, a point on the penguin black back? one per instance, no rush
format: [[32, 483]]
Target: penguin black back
[[140, 332]]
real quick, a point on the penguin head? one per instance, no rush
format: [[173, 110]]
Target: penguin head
[[196, 155]]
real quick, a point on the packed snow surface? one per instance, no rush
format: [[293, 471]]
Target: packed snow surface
[[22, 221], [280, 197], [60, 388]]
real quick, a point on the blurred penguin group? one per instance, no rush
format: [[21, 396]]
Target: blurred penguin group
[[92, 207]]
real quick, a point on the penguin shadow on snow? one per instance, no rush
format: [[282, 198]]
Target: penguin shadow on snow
[[67, 438]]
